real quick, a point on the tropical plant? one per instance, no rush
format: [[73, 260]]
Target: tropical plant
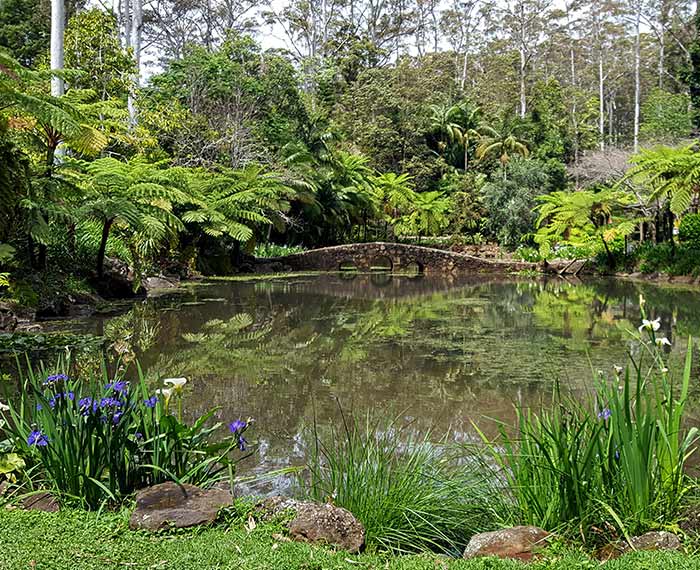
[[100, 437], [579, 217], [134, 196], [233, 203], [428, 215], [502, 143], [667, 172]]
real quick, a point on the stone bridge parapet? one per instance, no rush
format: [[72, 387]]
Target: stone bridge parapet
[[395, 257]]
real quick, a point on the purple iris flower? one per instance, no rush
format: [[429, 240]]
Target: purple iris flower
[[238, 426], [604, 414], [120, 386], [110, 403], [38, 439], [151, 402], [54, 378], [242, 443]]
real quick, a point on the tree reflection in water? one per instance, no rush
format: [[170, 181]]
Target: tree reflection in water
[[441, 351]]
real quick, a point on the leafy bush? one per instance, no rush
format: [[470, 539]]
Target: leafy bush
[[274, 250], [615, 461], [526, 253], [101, 437], [409, 493], [689, 231], [667, 258]]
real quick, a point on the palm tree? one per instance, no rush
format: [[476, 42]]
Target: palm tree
[[503, 144], [443, 123]]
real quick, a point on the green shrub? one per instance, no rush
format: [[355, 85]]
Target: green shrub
[[526, 253], [98, 438], [689, 231], [275, 250], [409, 493], [617, 461]]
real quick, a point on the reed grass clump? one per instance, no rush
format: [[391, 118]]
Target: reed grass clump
[[612, 464], [410, 494]]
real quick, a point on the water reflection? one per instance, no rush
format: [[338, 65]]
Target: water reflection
[[440, 352]]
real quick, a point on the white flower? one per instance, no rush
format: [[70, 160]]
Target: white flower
[[618, 369], [165, 392], [664, 370], [641, 300], [4, 407], [663, 341], [654, 325], [177, 383]]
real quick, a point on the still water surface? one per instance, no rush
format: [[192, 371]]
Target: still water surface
[[438, 352]]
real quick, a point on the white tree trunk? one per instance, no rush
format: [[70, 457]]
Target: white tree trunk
[[601, 100], [136, 26], [523, 63], [58, 22], [126, 19], [637, 83]]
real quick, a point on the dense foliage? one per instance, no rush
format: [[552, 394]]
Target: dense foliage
[[406, 121]]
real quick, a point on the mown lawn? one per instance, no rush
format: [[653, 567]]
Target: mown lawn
[[76, 540]]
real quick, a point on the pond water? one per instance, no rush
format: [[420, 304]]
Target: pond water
[[438, 352]]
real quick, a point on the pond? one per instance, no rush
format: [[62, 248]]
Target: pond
[[438, 352]]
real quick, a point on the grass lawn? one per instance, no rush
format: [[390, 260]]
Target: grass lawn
[[76, 540]]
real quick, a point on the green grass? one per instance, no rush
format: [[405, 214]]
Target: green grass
[[78, 540]]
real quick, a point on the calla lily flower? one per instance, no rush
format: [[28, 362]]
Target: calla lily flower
[[4, 407], [165, 392], [177, 383]]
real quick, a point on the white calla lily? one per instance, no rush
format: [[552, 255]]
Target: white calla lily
[[176, 384], [165, 392], [4, 407]]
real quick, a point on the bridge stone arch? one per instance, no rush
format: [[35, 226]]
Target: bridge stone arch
[[429, 260]]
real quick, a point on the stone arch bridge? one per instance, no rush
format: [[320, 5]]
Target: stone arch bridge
[[395, 257]]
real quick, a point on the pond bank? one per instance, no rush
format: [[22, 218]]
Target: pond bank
[[78, 540]]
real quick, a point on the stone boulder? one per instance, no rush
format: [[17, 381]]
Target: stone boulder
[[158, 282], [520, 543], [318, 523], [118, 281], [42, 501], [655, 540], [171, 505], [8, 318]]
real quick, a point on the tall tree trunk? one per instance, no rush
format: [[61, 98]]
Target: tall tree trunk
[[103, 247], [523, 62], [601, 100], [136, 27], [58, 23], [637, 73]]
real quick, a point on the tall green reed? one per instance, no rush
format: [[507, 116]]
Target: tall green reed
[[410, 494], [612, 464]]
